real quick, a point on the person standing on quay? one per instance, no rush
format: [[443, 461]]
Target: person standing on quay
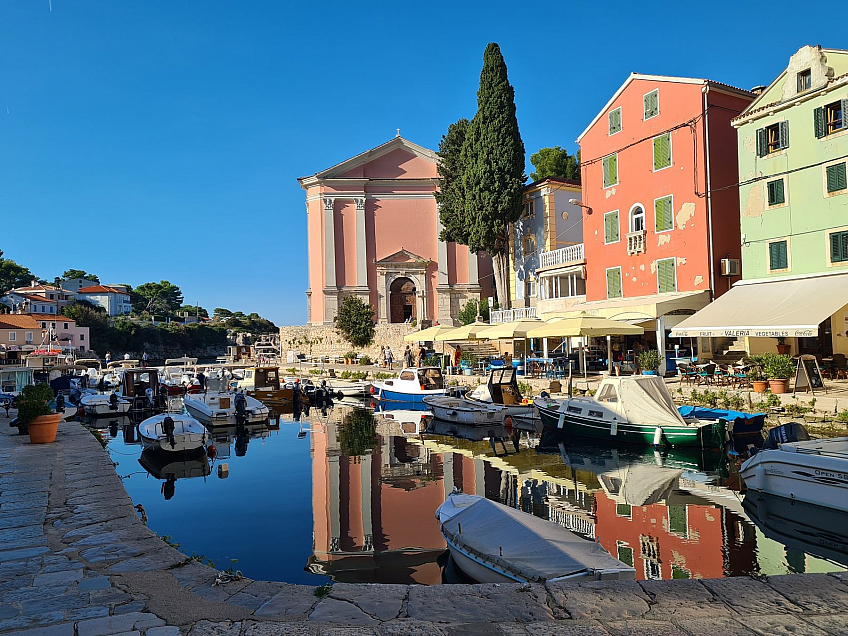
[[457, 357], [407, 356], [108, 357], [381, 359], [144, 360], [421, 355], [390, 358]]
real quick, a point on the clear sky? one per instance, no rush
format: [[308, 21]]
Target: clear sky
[[161, 139]]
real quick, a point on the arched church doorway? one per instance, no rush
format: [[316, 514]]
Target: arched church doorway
[[402, 300]]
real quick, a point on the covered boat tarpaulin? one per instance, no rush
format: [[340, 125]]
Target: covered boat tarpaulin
[[645, 399], [645, 484], [788, 308], [523, 545]]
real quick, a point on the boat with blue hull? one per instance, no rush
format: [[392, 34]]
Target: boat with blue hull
[[411, 385]]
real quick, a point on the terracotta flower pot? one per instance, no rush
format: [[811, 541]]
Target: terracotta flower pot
[[779, 386], [42, 430], [760, 386], [784, 349]]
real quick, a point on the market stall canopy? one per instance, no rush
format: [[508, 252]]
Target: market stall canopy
[[791, 308], [584, 326], [468, 332], [509, 330], [426, 335]]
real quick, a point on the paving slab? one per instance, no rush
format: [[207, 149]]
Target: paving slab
[[409, 627], [566, 628], [682, 597], [782, 625], [295, 601], [478, 603], [717, 626], [609, 600], [832, 624], [118, 624], [641, 626], [750, 596], [819, 593], [383, 602], [331, 610]]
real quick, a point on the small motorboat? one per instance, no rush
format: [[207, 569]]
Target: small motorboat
[[100, 404], [352, 388], [457, 409], [495, 433], [493, 543], [636, 409], [502, 390], [172, 432], [411, 385], [794, 466], [263, 383], [221, 407]]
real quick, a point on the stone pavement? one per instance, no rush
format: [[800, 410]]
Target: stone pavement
[[75, 560]]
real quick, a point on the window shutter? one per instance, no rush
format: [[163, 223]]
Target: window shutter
[[613, 283], [651, 104], [662, 152], [844, 251], [665, 276], [657, 153], [614, 121], [607, 179], [613, 163], [777, 255], [761, 142], [836, 242], [818, 122], [844, 107], [784, 134], [611, 227], [663, 214], [836, 178]]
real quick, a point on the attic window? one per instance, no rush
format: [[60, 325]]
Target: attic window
[[805, 79]]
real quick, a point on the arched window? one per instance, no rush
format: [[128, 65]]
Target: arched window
[[528, 245], [637, 218]]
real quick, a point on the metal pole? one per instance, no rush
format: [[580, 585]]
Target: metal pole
[[609, 354]]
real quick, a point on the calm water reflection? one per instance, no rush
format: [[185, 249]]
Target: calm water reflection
[[351, 496]]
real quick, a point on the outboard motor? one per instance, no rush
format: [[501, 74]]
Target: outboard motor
[[791, 432], [240, 405], [168, 428], [113, 402], [60, 403]]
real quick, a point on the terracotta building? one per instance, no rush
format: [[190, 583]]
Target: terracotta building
[[373, 229]]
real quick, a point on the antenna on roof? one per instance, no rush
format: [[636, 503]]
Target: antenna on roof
[[398, 133]]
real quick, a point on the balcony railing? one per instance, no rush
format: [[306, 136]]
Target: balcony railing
[[636, 242], [509, 315], [562, 256]]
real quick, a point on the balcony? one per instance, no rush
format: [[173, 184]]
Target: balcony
[[636, 242], [562, 256], [510, 315]]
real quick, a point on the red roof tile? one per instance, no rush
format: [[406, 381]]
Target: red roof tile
[[18, 321], [102, 289]]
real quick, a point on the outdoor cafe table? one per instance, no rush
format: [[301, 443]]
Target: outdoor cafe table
[[537, 367]]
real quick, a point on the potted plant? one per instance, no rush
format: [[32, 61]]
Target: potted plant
[[350, 357], [649, 361], [467, 361], [756, 373], [782, 347], [779, 368], [35, 416]]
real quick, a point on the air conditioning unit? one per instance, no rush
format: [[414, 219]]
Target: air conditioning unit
[[731, 267]]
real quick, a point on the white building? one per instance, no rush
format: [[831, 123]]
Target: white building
[[115, 300]]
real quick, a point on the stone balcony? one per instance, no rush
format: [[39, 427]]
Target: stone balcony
[[636, 242], [510, 315]]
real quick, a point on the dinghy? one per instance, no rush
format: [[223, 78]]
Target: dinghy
[[100, 404], [172, 432], [493, 543], [454, 409], [221, 408]]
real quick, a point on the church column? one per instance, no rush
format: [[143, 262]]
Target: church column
[[473, 274], [442, 250], [443, 298], [361, 268], [387, 306], [329, 244]]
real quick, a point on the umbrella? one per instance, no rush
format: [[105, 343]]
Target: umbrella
[[509, 330], [426, 335], [468, 332]]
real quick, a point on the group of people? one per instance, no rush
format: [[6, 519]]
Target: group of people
[[144, 358], [386, 357]]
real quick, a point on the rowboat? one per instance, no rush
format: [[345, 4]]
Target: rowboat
[[411, 385], [493, 543], [457, 409], [636, 409], [187, 434]]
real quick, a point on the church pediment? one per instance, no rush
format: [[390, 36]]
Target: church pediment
[[401, 259]]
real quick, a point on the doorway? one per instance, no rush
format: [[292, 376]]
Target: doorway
[[402, 300]]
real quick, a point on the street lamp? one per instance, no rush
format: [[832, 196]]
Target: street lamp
[[579, 204]]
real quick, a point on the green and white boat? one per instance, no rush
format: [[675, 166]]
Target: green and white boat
[[635, 410]]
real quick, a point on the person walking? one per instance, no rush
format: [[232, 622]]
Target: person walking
[[390, 358], [144, 360], [457, 357], [381, 359], [617, 358], [407, 356], [108, 357], [421, 355]]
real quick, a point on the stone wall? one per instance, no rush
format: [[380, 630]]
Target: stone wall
[[327, 341]]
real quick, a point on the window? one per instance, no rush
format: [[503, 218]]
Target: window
[[611, 231], [836, 178], [625, 554], [662, 151], [13, 337], [614, 282], [44, 325], [529, 209], [528, 245], [651, 102], [839, 247], [65, 325], [776, 195], [623, 510], [666, 276], [778, 256], [664, 214], [614, 118], [82, 337], [804, 80], [610, 170], [529, 288], [52, 296], [28, 336], [607, 394], [772, 138], [408, 375], [637, 219], [830, 118], [677, 520]]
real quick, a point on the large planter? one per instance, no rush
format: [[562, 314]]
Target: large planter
[[42, 430], [779, 386], [649, 372], [760, 386], [784, 349]]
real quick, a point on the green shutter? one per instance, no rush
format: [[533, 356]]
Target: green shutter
[[662, 152], [844, 107], [665, 276], [775, 192], [839, 247], [610, 171], [614, 283], [761, 142], [615, 121], [783, 134], [651, 104], [777, 255], [818, 122], [836, 177], [606, 165], [611, 227], [663, 219]]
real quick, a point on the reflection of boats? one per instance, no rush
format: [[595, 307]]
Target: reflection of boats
[[220, 407], [810, 470], [411, 385], [166, 466], [800, 526], [411, 421], [186, 435], [636, 409], [456, 409], [502, 389], [100, 404], [493, 543], [223, 436], [466, 431]]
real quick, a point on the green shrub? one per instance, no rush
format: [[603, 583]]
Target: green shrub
[[350, 355], [365, 360], [842, 417], [382, 375], [291, 370], [778, 366], [353, 375], [525, 388], [649, 360], [316, 371], [32, 403], [469, 358], [432, 361]]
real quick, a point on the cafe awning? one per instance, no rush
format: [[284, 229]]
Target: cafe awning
[[787, 308], [637, 309]]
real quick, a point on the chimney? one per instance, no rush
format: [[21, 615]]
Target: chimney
[[33, 283], [758, 90]]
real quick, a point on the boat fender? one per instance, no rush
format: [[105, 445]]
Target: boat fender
[[223, 471], [508, 423], [658, 433], [614, 427], [561, 421], [212, 451]]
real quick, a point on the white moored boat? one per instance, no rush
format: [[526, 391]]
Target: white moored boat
[[187, 434], [352, 388], [454, 409], [493, 543], [221, 408], [502, 390], [98, 404], [814, 471], [411, 385]]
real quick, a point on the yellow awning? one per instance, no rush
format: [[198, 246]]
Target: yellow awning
[[584, 326], [426, 335], [791, 308], [468, 332], [509, 330], [637, 308]]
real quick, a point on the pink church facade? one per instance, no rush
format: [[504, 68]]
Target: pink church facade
[[373, 228]]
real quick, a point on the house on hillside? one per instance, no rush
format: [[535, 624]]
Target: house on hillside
[[18, 333], [38, 297], [64, 330], [113, 298]]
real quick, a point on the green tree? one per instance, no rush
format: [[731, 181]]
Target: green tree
[[468, 313], [70, 274], [194, 310], [162, 298], [355, 321], [493, 169], [450, 197], [12, 275], [220, 312], [555, 162]]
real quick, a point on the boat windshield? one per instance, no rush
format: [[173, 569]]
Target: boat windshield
[[431, 379]]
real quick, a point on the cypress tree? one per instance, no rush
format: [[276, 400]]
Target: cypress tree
[[449, 197], [492, 160]]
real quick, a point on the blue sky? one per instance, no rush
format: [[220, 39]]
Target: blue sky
[[144, 139]]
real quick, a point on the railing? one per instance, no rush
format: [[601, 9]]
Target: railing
[[509, 315], [636, 242], [562, 256]]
